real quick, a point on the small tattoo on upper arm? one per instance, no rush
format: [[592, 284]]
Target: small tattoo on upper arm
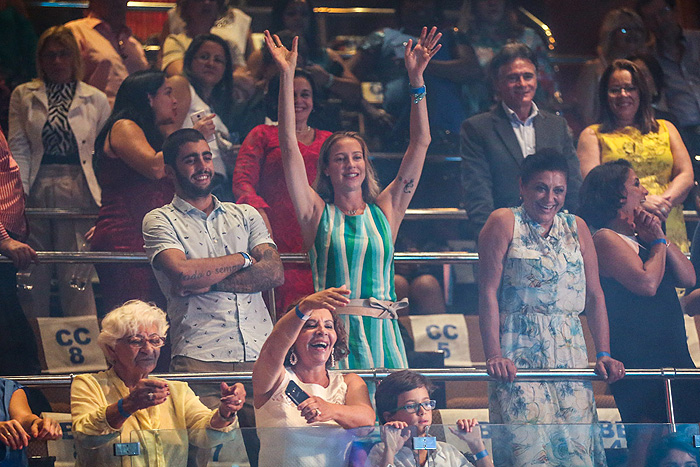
[[407, 184]]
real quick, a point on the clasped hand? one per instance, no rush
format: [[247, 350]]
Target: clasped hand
[[13, 435], [232, 399]]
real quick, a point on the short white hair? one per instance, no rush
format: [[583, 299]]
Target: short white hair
[[127, 320]]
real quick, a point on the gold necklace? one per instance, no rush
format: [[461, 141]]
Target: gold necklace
[[303, 129]]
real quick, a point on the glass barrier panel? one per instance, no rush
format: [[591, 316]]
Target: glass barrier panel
[[97, 450], [612, 444]]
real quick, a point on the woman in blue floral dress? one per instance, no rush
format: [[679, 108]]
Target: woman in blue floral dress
[[538, 271]]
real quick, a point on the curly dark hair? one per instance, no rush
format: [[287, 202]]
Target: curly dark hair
[[387, 395], [340, 350], [603, 192]]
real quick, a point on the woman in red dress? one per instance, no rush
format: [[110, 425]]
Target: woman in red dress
[[258, 180]]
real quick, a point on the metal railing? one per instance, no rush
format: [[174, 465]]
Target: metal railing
[[411, 214], [448, 374]]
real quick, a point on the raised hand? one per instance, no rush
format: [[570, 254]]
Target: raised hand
[[395, 434], [286, 60], [469, 431], [417, 58], [647, 225], [329, 299], [146, 393]]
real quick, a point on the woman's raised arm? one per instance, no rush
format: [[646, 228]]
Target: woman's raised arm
[[268, 370], [395, 198], [308, 205]]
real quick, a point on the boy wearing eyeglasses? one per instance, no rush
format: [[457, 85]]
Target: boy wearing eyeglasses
[[405, 409]]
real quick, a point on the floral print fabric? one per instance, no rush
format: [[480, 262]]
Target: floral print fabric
[[542, 292]]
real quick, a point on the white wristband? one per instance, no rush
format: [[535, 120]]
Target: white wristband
[[247, 261]]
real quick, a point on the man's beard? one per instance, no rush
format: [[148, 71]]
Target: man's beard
[[190, 189]]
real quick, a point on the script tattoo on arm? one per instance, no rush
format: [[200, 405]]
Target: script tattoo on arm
[[265, 274]]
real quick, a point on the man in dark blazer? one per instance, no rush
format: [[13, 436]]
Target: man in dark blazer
[[495, 143]]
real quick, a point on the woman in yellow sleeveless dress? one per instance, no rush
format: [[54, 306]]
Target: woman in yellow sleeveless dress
[[628, 130]]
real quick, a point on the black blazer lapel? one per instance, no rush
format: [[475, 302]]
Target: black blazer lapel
[[506, 133]]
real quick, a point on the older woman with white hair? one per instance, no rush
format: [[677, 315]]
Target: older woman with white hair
[[124, 398]]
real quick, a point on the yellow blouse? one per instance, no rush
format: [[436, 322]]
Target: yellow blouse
[[183, 417], [652, 160]]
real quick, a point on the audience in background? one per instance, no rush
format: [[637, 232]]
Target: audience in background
[[622, 34], [190, 18], [629, 130], [487, 26], [258, 180], [495, 144], [678, 52], [18, 352], [110, 53], [130, 169], [205, 102], [380, 58], [17, 52], [302, 350], [54, 122]]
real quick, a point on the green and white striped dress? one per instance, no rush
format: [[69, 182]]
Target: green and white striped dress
[[358, 251]]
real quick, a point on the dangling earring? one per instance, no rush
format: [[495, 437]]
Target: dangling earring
[[293, 358], [333, 357]]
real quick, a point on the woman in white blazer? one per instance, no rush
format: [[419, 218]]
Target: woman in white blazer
[[54, 121]]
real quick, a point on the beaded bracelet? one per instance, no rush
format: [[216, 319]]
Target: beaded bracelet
[[600, 355], [481, 455], [120, 409], [301, 315], [418, 94]]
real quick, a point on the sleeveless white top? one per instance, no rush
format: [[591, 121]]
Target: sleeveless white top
[[312, 446]]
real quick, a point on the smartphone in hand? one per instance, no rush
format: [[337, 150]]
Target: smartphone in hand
[[197, 116], [295, 393]]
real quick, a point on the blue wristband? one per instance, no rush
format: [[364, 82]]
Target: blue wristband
[[659, 240], [120, 408], [481, 455], [301, 315], [599, 355]]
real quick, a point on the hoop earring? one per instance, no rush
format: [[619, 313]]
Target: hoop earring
[[293, 359]]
